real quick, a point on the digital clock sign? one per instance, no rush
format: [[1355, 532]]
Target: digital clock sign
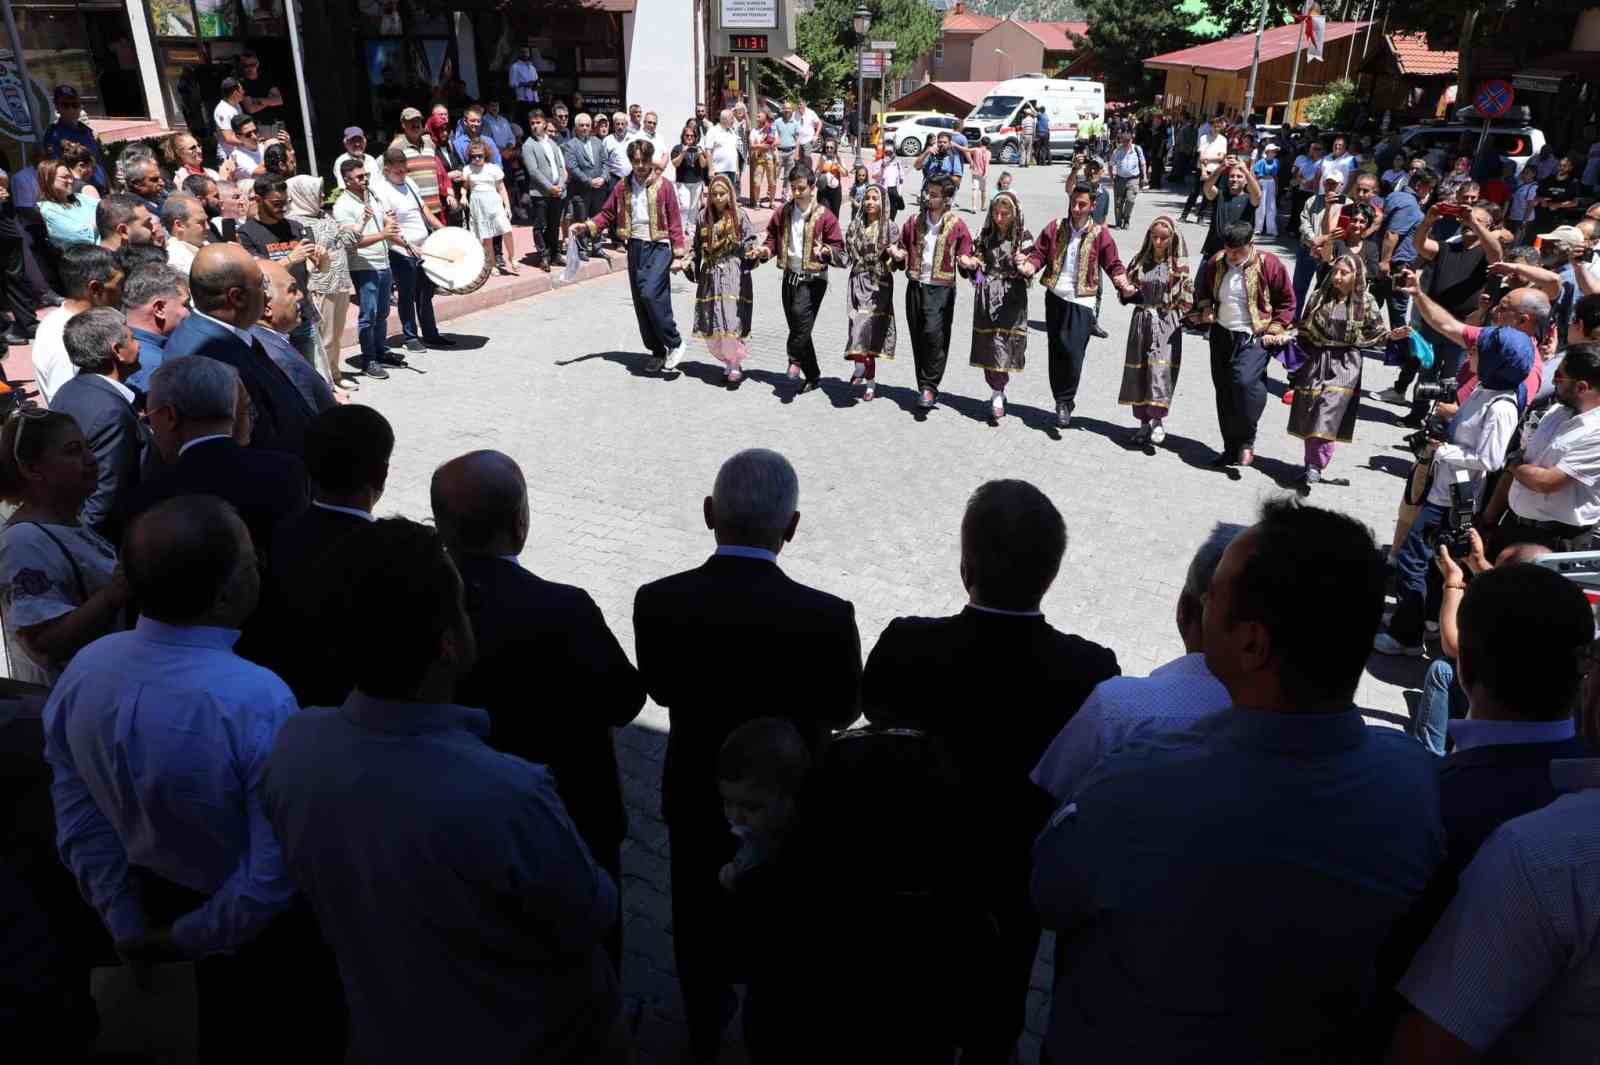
[[747, 42]]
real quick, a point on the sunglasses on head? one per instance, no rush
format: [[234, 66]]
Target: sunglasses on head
[[24, 416]]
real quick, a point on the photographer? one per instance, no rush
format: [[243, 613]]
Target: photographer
[[1470, 445], [1315, 250], [691, 169]]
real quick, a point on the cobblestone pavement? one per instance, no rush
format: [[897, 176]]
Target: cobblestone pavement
[[618, 461]]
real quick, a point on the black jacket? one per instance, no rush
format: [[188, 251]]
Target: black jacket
[[555, 682], [731, 641], [996, 688], [117, 440], [264, 486]]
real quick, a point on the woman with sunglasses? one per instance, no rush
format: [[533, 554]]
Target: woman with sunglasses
[[68, 214], [60, 587], [186, 159]]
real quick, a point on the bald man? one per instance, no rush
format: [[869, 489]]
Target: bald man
[[229, 294], [529, 627]]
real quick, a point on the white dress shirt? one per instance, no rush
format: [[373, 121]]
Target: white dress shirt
[[1233, 303], [1570, 443], [639, 210], [723, 145], [1067, 283], [1480, 431], [180, 255]]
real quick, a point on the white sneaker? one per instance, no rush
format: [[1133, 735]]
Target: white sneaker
[[1385, 644], [674, 357], [1389, 395], [1157, 434]]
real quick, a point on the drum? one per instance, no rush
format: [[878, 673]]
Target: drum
[[453, 259]]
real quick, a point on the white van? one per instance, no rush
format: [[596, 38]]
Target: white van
[[1068, 101]]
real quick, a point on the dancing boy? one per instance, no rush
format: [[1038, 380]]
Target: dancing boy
[[805, 237], [931, 242]]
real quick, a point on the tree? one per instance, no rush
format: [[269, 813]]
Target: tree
[[1526, 28], [1122, 34], [825, 40]]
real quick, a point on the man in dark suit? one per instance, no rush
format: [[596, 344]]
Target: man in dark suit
[[994, 683], [229, 294], [347, 453], [530, 627], [729, 641], [105, 354], [192, 406]]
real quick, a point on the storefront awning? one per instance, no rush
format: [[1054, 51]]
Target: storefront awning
[[798, 65], [619, 7]]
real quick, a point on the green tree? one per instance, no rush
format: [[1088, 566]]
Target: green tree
[[1526, 28], [825, 40], [1124, 33]]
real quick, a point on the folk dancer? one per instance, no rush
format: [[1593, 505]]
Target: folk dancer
[[1000, 269], [1341, 319], [643, 210], [724, 252], [931, 243], [1164, 294], [805, 237], [1070, 255], [869, 246], [1248, 301]]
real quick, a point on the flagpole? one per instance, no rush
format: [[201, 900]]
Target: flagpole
[[1255, 61], [1294, 79], [1372, 10]]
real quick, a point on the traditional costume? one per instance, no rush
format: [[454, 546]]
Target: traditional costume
[[932, 248], [872, 326], [1155, 337], [1069, 263], [723, 307], [1000, 303], [1249, 301], [804, 242], [647, 217], [1327, 386]]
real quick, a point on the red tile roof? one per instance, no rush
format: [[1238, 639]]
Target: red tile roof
[[962, 22], [1413, 55], [1054, 34], [1234, 53]]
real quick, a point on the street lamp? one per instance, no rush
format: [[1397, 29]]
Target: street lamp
[[861, 22], [1002, 51]]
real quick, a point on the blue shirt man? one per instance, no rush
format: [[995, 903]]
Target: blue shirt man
[[787, 130], [69, 126], [1402, 214], [152, 352]]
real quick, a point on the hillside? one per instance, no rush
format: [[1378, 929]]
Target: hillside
[[1029, 10]]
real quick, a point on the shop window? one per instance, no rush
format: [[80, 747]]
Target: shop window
[[86, 44], [409, 54]]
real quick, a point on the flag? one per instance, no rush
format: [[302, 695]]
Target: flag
[[1315, 29]]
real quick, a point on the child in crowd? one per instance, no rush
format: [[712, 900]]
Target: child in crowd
[[760, 770], [1001, 184]]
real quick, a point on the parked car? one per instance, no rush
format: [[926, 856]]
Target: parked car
[[914, 132], [1512, 137]]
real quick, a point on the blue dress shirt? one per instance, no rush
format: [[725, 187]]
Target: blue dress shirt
[[157, 738], [1221, 894], [152, 353], [461, 139], [446, 875]]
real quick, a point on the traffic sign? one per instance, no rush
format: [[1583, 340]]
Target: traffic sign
[[883, 46], [1494, 98]]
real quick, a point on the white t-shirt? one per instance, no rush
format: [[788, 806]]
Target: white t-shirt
[[39, 583], [1570, 443], [373, 168], [809, 128], [1343, 165], [1233, 305], [52, 366], [724, 147], [349, 211], [222, 115], [405, 203], [180, 255], [245, 161]]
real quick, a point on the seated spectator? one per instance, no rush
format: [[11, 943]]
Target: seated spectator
[[347, 458], [121, 220], [156, 301], [1170, 699], [106, 354], [145, 182], [59, 585], [1182, 929], [192, 408], [90, 277], [279, 319], [229, 294], [1012, 542], [527, 626], [754, 618], [426, 853], [69, 216], [168, 711]]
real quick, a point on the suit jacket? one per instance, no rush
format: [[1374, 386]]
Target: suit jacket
[[282, 414], [117, 440], [542, 175], [311, 385], [730, 641], [527, 627], [944, 676], [585, 159], [264, 486]]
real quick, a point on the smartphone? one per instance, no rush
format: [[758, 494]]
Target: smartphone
[[1452, 210]]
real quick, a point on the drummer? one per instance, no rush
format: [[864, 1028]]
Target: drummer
[[399, 196]]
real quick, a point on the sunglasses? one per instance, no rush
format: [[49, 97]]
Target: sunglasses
[[247, 134]]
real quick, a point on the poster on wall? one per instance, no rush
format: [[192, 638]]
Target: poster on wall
[[749, 14], [16, 122], [218, 18], [171, 18]]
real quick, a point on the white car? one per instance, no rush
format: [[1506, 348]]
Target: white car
[[916, 132], [1515, 141]]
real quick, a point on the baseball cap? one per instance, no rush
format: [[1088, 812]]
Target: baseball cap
[[411, 114], [1505, 356], [1270, 147], [1565, 234], [66, 92], [354, 131]]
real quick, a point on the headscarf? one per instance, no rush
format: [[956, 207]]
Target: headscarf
[[305, 197], [1180, 283], [719, 235], [991, 237], [866, 246], [1363, 325]]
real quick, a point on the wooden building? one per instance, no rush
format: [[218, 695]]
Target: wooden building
[[1212, 78]]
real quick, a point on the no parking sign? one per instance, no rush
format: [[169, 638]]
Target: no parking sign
[[1493, 98]]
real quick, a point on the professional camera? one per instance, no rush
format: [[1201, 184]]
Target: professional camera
[[1434, 391], [1455, 531], [1433, 428]]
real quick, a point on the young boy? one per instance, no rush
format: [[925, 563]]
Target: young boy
[[760, 770]]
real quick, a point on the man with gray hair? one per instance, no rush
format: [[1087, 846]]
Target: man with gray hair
[[1171, 698], [778, 649], [192, 408], [155, 298], [723, 146], [105, 354], [184, 218]]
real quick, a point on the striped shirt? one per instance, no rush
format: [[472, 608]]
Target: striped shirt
[[420, 169]]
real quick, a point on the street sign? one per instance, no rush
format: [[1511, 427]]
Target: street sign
[[883, 46], [873, 64], [1493, 98]]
